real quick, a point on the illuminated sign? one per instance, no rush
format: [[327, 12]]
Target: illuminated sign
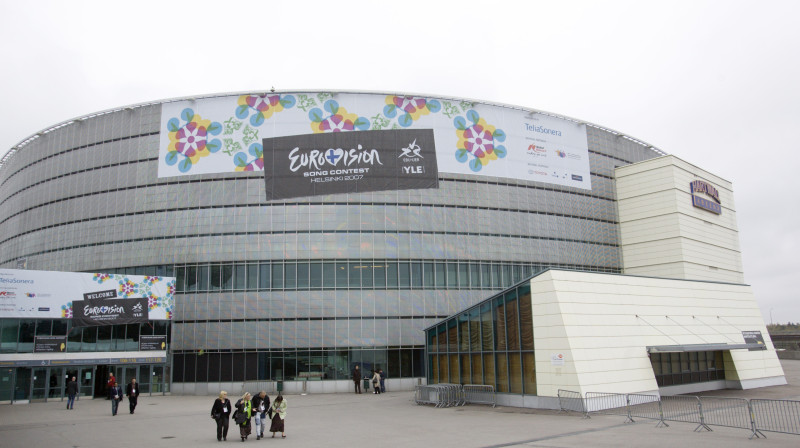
[[699, 186]]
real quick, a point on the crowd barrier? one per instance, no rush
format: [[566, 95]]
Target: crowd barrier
[[756, 415], [447, 395]]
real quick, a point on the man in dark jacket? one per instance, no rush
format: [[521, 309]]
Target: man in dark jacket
[[132, 391], [357, 378], [260, 405], [72, 392]]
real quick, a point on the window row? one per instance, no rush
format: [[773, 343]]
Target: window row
[[367, 274], [293, 365], [507, 372], [504, 322], [18, 335], [684, 368]]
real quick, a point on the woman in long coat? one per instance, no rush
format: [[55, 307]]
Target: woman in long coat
[[245, 407], [278, 416]]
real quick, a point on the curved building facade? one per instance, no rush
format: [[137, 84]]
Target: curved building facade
[[305, 287]]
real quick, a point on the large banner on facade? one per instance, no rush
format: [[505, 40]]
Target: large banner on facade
[[349, 162], [91, 313], [52, 294], [226, 134]]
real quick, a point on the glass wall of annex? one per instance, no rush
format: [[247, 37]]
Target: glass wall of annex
[[490, 343]]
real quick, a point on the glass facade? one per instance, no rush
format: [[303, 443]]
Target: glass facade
[[307, 285], [491, 344]]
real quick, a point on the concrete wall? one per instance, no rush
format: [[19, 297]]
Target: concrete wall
[[601, 325], [662, 234]]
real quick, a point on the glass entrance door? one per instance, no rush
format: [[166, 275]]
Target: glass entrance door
[[86, 381], [156, 384], [56, 383], [39, 384], [6, 384], [22, 384], [144, 379]]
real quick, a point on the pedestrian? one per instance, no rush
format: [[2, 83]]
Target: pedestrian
[[383, 379], [72, 392], [244, 411], [132, 391], [221, 412], [278, 409], [115, 395], [376, 378], [260, 406], [357, 379], [109, 383]]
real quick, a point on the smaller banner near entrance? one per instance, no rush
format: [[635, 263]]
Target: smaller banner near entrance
[[89, 313], [49, 344], [349, 162], [148, 343], [51, 294]]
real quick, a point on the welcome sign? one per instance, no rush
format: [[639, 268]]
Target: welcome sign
[[349, 162], [89, 313]]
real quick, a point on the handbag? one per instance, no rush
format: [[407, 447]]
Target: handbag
[[239, 417]]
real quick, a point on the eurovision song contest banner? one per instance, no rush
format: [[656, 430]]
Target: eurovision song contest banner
[[236, 133], [51, 294]]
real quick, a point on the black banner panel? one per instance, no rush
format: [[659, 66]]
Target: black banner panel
[[349, 162], [49, 344], [88, 313], [148, 343]]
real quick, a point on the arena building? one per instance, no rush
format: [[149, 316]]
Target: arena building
[[300, 249]]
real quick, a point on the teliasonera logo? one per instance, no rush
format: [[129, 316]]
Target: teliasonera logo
[[411, 152], [699, 186]]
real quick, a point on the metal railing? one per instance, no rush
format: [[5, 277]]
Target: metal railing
[[479, 394], [755, 415], [569, 400], [446, 395]]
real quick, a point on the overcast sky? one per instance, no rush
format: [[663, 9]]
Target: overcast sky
[[712, 82]]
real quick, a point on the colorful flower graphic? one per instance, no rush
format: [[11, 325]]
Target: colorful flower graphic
[[190, 142], [409, 108], [151, 280], [66, 310], [478, 139], [100, 278], [243, 163], [339, 119], [262, 106], [127, 288]]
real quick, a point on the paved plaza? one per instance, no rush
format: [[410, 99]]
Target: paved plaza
[[367, 420]]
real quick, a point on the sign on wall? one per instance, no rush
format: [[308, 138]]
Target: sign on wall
[[51, 294], [49, 344], [705, 196], [349, 162], [90, 313], [148, 343], [226, 134]]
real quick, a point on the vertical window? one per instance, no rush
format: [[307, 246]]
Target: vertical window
[[355, 275], [474, 275], [202, 278], [391, 275], [264, 276], [329, 275], [315, 275], [227, 277], [277, 276], [452, 275], [416, 275], [404, 275], [290, 276], [366, 275], [252, 277], [379, 270], [441, 277], [216, 277], [427, 275], [191, 279], [239, 276], [341, 275], [463, 275], [303, 275]]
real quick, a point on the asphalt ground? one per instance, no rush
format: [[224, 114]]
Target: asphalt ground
[[367, 420]]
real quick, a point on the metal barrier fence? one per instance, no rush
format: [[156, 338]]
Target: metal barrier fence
[[571, 401], [446, 395], [776, 415], [479, 394], [753, 415]]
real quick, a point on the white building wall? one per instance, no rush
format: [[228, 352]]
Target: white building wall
[[602, 325], [663, 234]]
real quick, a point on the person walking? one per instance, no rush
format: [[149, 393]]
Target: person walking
[[115, 395], [357, 378], [132, 391], [383, 379], [221, 413], [72, 392], [376, 378], [244, 411], [260, 406], [109, 383], [278, 409]]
